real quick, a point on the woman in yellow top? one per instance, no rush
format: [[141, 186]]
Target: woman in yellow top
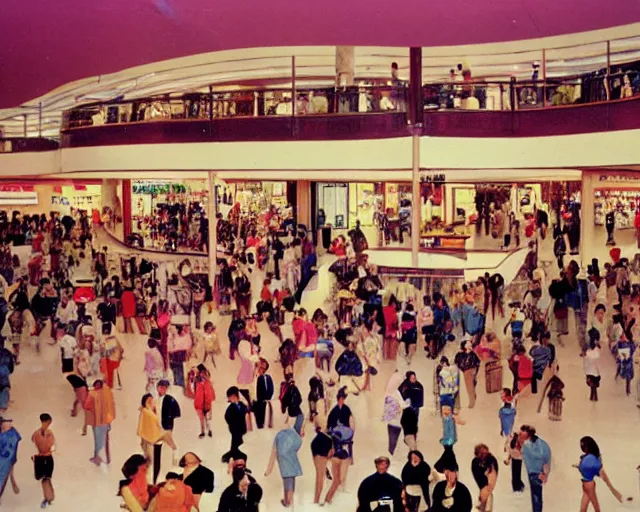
[[150, 433]]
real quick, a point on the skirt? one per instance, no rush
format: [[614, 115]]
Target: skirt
[[555, 409]]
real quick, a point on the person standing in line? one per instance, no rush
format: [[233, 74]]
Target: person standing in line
[[285, 451], [451, 495], [468, 363], [590, 466], [169, 411], [264, 393], [101, 411], [204, 396], [45, 442], [235, 416], [537, 459], [322, 451], [484, 467]]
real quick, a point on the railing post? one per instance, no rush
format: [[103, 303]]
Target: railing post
[[608, 88], [512, 93], [415, 114], [544, 77], [24, 124], [294, 94], [40, 119], [211, 104]]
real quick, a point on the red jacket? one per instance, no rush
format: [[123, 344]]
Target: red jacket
[[204, 395]]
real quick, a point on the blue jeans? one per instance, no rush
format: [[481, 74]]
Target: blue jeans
[[99, 439], [536, 492]]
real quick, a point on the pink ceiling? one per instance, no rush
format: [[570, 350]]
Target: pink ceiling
[[48, 43]]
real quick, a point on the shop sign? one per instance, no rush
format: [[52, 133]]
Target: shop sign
[[617, 178], [433, 178]]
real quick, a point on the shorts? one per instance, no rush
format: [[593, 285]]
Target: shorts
[[67, 365], [289, 483], [43, 466]]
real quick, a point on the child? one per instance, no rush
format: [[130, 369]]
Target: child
[[211, 343], [507, 414], [45, 442], [204, 396]]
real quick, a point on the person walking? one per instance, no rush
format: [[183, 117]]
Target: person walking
[[204, 396], [101, 411], [7, 365], [262, 407], [590, 466], [285, 451], [235, 416], [411, 389], [394, 404], [45, 442], [416, 475], [468, 363], [322, 451], [169, 411], [514, 458], [134, 489], [484, 468], [200, 478], [243, 495], [9, 440], [591, 362], [451, 495], [537, 459], [380, 488]]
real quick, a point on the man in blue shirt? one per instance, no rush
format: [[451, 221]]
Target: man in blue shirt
[[537, 458]]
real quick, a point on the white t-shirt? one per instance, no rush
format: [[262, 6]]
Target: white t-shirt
[[591, 365], [68, 345]]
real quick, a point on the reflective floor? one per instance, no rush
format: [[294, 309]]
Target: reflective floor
[[39, 387]]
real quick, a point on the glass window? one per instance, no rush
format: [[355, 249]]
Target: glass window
[[333, 200]]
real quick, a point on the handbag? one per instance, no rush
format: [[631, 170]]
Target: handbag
[[163, 320]]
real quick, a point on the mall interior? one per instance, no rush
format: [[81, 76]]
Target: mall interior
[[427, 201]]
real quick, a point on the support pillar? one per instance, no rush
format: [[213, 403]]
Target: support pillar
[[345, 65], [212, 247], [415, 121], [416, 201], [303, 203], [587, 217], [126, 208]]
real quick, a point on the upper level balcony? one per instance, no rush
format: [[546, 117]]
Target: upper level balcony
[[473, 108]]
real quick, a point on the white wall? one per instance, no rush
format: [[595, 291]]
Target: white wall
[[339, 160]]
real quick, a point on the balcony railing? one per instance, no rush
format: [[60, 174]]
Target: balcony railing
[[358, 99], [27, 144]]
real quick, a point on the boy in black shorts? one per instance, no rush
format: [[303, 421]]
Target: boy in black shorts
[[45, 442]]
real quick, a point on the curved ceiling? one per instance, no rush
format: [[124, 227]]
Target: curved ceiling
[[46, 44]]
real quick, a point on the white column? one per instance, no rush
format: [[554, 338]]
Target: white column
[[212, 208], [416, 201], [345, 65], [587, 218]]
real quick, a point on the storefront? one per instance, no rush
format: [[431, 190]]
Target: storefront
[[147, 195], [616, 203], [61, 197], [256, 196], [342, 204]]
